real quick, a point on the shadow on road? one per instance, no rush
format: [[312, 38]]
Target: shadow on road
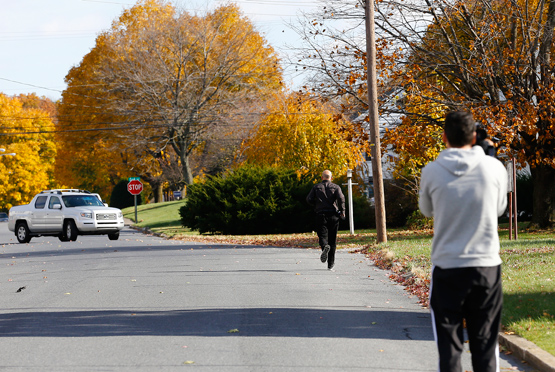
[[255, 322]]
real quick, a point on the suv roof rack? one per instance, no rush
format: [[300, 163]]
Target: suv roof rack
[[60, 191]]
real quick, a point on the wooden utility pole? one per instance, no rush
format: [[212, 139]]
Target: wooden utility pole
[[374, 123]]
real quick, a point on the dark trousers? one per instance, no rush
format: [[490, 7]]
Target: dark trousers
[[327, 225], [474, 294]]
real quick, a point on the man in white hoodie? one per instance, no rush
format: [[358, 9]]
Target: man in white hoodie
[[465, 191]]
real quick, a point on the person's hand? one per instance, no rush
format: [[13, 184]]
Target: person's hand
[[342, 215]]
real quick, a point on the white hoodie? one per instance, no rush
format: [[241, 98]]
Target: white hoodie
[[465, 191]]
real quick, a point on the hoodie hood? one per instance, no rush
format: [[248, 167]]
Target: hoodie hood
[[460, 161]]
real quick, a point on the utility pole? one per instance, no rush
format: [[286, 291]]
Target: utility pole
[[373, 117]]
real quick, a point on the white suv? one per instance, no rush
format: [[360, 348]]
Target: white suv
[[65, 213]]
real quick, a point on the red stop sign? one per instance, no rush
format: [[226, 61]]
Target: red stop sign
[[135, 187]]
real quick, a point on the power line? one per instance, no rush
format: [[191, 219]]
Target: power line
[[30, 85]]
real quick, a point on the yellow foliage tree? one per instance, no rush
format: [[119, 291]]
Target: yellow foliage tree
[[27, 132], [302, 134]]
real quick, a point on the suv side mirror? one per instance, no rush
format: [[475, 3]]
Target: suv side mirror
[[57, 206]]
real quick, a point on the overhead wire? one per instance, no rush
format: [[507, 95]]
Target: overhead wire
[[60, 118]]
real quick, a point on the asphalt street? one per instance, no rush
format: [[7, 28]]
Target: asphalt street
[[144, 303]]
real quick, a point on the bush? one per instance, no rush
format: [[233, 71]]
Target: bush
[[399, 203], [249, 200], [524, 192], [418, 221], [121, 197], [364, 216]]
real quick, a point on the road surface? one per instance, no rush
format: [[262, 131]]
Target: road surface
[[143, 303]]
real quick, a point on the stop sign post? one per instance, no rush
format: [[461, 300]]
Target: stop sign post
[[135, 187]]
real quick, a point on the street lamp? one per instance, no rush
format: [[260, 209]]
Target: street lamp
[[8, 154]]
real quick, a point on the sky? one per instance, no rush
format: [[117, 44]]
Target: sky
[[41, 40]]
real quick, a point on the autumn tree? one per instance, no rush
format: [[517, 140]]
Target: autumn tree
[[184, 74], [301, 133], [491, 57], [88, 157], [27, 132], [160, 80], [494, 58]]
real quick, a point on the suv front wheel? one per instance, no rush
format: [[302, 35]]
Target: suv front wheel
[[113, 236], [22, 233], [70, 230]]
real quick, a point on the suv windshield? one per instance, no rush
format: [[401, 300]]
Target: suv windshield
[[81, 201]]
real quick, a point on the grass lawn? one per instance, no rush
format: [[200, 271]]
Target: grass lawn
[[162, 218], [528, 278], [528, 264]]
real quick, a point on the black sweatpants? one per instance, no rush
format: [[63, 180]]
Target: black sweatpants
[[474, 294], [327, 225]]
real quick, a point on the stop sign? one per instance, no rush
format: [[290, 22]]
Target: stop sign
[[135, 187]]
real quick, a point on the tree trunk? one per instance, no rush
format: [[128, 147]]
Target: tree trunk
[[159, 193], [543, 177], [187, 173]]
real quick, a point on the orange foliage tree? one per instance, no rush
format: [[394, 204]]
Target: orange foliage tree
[[493, 58], [490, 57], [27, 132], [160, 79]]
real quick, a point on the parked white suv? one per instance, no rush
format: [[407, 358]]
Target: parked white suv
[[65, 213]]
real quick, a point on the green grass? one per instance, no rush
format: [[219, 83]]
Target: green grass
[[528, 280], [528, 263], [161, 218]]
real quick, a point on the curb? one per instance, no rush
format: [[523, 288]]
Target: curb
[[529, 352]]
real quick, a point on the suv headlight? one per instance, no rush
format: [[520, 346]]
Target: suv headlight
[[120, 214], [86, 215]]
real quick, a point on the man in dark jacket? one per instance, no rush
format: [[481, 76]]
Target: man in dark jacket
[[329, 204]]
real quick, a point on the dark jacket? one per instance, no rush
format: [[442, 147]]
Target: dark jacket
[[326, 197]]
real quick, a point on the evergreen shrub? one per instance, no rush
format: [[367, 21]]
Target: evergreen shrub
[[524, 193], [364, 216], [249, 200], [121, 197], [400, 205]]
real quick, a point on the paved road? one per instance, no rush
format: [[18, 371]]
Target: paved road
[[143, 303]]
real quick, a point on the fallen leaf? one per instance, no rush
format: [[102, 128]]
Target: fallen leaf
[[235, 330], [189, 362]]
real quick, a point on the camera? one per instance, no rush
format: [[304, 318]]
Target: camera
[[484, 142]]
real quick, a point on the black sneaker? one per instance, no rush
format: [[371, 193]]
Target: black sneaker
[[330, 267], [324, 255]]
